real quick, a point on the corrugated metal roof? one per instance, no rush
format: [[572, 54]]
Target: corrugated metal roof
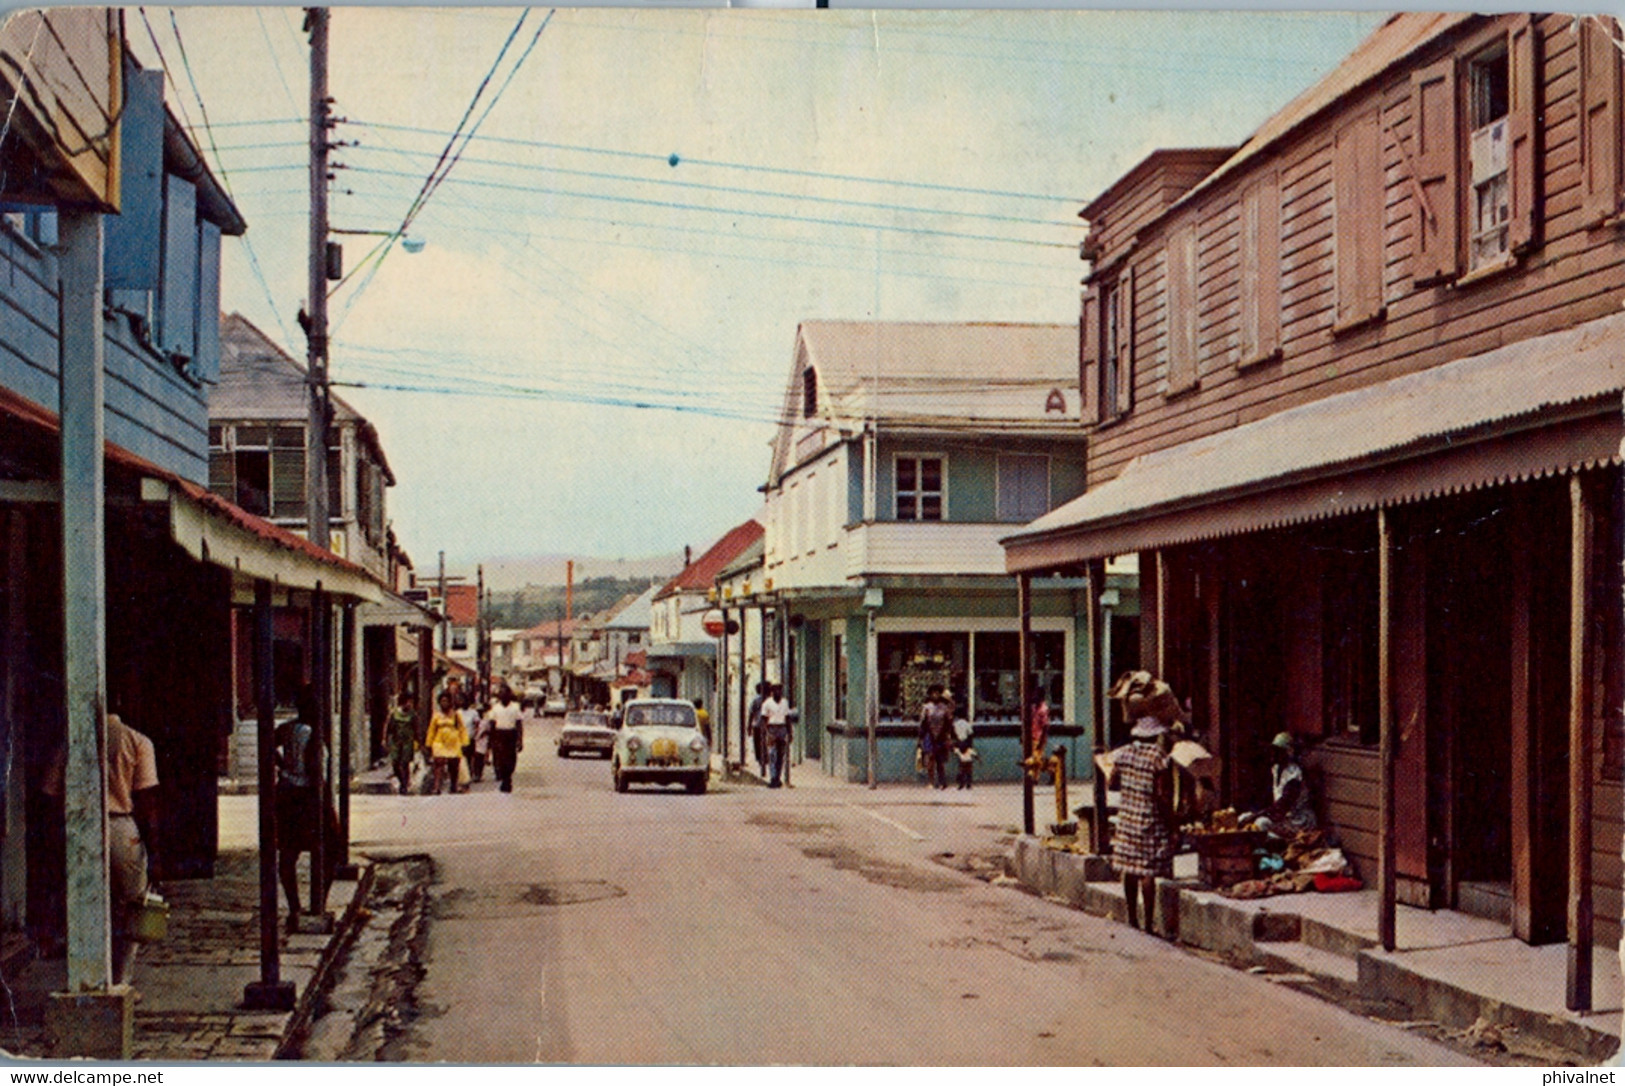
[[635, 614], [1517, 380]]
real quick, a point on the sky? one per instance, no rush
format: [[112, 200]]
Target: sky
[[588, 352]]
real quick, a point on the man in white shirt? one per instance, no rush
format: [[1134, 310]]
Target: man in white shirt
[[776, 728], [507, 735]]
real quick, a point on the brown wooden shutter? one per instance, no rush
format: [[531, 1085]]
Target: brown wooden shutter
[[1089, 356], [1600, 137], [1357, 177], [1436, 142], [1125, 341], [1523, 126], [1261, 269], [1179, 294]]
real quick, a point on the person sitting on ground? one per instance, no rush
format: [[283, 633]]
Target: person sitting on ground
[[1291, 809]]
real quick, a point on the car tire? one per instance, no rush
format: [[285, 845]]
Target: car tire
[[563, 753], [696, 786], [620, 780]]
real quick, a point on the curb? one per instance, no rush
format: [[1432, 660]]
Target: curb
[[321, 980]]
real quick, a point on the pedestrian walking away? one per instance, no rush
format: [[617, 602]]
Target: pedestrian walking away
[[776, 734], [507, 735], [447, 737], [400, 738], [1143, 844], [703, 718]]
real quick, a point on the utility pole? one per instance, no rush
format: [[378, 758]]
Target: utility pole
[[482, 635], [317, 519], [443, 631], [316, 510]]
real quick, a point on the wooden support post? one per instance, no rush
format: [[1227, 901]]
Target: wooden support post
[[723, 718], [1387, 739], [1099, 711], [871, 693], [270, 992], [321, 630], [1024, 680], [1581, 519], [1162, 613], [13, 665], [84, 598], [347, 660]]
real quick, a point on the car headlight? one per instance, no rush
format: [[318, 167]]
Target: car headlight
[[697, 744], [632, 742]]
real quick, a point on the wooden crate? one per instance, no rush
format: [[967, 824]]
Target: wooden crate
[[1224, 859]]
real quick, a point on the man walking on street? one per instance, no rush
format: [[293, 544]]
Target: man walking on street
[[776, 731], [753, 724], [936, 735], [507, 735]]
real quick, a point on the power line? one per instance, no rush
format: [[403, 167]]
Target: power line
[[747, 213], [741, 191], [721, 164]]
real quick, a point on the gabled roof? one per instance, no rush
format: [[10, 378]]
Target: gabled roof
[[259, 380], [633, 614], [700, 574], [985, 378], [551, 629], [1400, 37]]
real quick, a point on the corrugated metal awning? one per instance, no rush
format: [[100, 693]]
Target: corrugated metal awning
[[680, 650], [1542, 405]]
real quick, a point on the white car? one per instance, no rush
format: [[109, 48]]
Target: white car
[[586, 730], [660, 743], [555, 705]]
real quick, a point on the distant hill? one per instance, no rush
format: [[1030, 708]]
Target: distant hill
[[523, 608]]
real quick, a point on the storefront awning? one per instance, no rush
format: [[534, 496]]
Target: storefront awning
[[1535, 407], [395, 610], [680, 650], [213, 530]]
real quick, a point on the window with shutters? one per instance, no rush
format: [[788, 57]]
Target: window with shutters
[[1023, 488], [809, 392], [921, 488], [287, 472], [1489, 202], [1106, 348], [1472, 152], [252, 468]]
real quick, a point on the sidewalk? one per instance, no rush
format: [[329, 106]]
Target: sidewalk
[[1458, 970], [191, 983]]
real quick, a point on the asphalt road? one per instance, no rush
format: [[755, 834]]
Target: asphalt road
[[805, 926]]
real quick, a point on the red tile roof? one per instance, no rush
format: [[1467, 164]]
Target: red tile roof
[[701, 573], [549, 630], [32, 414]]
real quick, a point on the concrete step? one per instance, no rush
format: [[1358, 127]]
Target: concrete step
[[1323, 936], [1333, 970]]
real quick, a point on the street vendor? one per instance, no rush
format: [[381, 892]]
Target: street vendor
[[1291, 809]]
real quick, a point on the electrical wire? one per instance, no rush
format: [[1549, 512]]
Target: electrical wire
[[750, 167], [669, 205], [741, 191]]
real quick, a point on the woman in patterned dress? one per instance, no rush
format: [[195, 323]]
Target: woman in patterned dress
[[1143, 843]]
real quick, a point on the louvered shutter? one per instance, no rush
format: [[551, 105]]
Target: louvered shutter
[[1436, 143], [1180, 294], [1523, 126], [1125, 341], [1600, 138], [1261, 270], [223, 474], [1089, 356], [1357, 176], [288, 472]]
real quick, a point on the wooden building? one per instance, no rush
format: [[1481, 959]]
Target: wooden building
[[1353, 395]]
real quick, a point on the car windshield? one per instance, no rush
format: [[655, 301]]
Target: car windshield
[[671, 716], [588, 720]]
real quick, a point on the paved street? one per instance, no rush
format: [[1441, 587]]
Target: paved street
[[808, 925]]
